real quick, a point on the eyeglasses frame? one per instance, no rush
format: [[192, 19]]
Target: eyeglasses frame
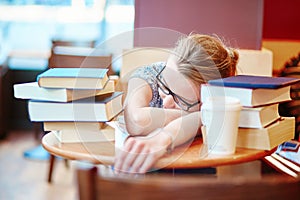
[[178, 99]]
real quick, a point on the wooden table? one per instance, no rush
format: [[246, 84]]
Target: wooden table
[[186, 156]]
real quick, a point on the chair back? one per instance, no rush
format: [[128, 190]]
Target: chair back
[[75, 57], [88, 43], [93, 185], [137, 57]]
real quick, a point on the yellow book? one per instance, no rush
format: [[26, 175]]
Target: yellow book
[[269, 137], [91, 126], [71, 136]]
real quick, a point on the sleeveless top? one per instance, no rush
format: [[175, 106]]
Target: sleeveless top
[[148, 73]]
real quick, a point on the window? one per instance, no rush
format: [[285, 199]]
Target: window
[[52, 10], [32, 24]]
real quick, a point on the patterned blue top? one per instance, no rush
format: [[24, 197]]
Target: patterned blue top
[[148, 73]]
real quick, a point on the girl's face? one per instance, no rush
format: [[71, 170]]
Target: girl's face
[[177, 91]]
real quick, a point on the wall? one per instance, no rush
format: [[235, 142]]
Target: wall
[[281, 19], [239, 22], [283, 51], [281, 30]]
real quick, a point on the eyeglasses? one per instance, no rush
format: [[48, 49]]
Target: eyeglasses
[[184, 105]]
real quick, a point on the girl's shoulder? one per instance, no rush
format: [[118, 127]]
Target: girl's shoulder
[[148, 71]]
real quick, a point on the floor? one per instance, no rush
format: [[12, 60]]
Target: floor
[[22, 178]]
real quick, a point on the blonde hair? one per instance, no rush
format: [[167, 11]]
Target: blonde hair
[[204, 57]]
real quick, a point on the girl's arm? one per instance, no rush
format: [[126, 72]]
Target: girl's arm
[[140, 154], [183, 128], [139, 117]]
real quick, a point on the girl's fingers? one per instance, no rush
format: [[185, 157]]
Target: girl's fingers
[[150, 160], [135, 168], [137, 156], [121, 154], [132, 156]]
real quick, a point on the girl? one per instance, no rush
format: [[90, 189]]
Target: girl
[[162, 106]]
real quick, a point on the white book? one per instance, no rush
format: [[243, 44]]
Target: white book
[[82, 135], [33, 91], [248, 97], [258, 117], [100, 108]]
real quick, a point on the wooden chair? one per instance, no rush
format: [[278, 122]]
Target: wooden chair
[[93, 185], [67, 56], [72, 43]]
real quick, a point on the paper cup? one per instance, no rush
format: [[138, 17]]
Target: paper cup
[[220, 118]]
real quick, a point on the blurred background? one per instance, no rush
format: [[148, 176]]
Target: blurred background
[[29, 29]]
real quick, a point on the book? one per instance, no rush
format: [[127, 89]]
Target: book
[[290, 150], [93, 109], [248, 97], [283, 165], [269, 137], [33, 91], [258, 117], [251, 81], [82, 135], [73, 78], [55, 126]]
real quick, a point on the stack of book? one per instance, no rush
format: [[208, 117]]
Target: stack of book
[[74, 103], [260, 125]]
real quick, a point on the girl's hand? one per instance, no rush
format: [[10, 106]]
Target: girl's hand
[[139, 154]]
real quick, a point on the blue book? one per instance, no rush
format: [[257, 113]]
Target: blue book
[[73, 78], [253, 82], [290, 150]]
